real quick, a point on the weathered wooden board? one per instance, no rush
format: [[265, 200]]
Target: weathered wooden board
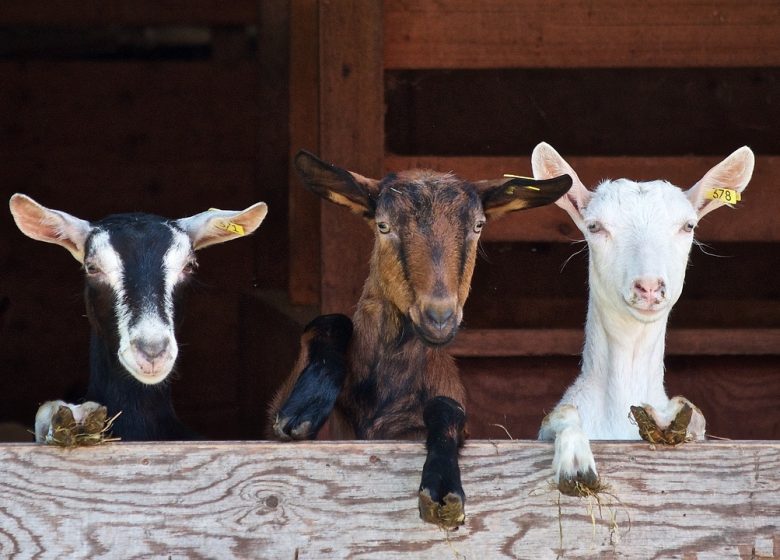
[[570, 33], [752, 220], [357, 500], [351, 109], [568, 342], [304, 222], [510, 396], [141, 12]]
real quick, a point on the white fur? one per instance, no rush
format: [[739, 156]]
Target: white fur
[[639, 245], [150, 326]]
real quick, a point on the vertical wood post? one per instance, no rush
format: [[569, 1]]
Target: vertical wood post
[[351, 136]]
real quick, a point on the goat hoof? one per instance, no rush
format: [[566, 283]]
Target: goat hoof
[[581, 484], [674, 434], [447, 513], [59, 423], [285, 429]]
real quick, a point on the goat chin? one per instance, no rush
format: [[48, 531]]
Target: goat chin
[[434, 339], [147, 376]]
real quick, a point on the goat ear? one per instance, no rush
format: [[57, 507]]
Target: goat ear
[[51, 226], [733, 173], [338, 185], [546, 162], [217, 226], [520, 193]]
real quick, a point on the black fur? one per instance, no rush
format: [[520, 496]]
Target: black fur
[[147, 412], [445, 420], [322, 379]]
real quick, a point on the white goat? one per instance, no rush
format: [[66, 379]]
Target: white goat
[[639, 237]]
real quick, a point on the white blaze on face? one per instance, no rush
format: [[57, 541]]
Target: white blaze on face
[[144, 321], [640, 236]]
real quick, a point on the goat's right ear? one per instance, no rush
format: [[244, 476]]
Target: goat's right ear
[[338, 185], [51, 226], [217, 226], [547, 163]]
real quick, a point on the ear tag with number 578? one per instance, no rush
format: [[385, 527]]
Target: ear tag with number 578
[[729, 196]]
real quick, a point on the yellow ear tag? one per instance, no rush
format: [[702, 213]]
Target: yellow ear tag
[[238, 229], [529, 187], [729, 196]]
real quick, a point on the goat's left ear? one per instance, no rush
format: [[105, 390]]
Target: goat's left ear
[[732, 173], [217, 226], [501, 196]]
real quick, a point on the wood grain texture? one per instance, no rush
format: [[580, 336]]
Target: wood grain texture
[[752, 220], [571, 33], [357, 500], [739, 395], [568, 342], [304, 212], [141, 12], [351, 136]]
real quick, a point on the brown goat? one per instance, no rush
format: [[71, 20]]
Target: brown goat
[[394, 378]]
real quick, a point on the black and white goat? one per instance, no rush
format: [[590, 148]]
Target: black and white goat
[[134, 266]]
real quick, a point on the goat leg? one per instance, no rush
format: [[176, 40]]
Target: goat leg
[[305, 402], [441, 496]]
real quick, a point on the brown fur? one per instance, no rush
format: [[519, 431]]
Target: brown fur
[[397, 360]]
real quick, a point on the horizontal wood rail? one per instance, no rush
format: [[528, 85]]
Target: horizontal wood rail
[[568, 342], [358, 499], [752, 220], [564, 33], [141, 12]]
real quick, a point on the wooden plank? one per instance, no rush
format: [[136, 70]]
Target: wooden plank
[[753, 220], [269, 115], [512, 395], [568, 342], [141, 12], [95, 110], [304, 222], [351, 136], [346, 500], [580, 33]]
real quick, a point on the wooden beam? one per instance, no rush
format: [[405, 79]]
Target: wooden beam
[[351, 136], [580, 33], [754, 219], [568, 342], [139, 12], [304, 212], [339, 500]]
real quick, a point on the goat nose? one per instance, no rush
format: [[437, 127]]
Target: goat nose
[[151, 349], [439, 314], [650, 289]]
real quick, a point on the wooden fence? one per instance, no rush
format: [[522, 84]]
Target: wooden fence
[[714, 500]]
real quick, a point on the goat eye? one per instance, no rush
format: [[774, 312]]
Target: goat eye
[[594, 227], [91, 269], [478, 226], [383, 227], [689, 227], [190, 267]]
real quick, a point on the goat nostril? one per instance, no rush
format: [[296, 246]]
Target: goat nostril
[[650, 288], [151, 350]]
